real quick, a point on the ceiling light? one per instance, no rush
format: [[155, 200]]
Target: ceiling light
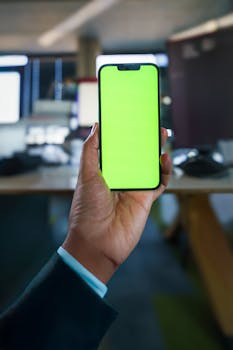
[[226, 21], [205, 28], [72, 23]]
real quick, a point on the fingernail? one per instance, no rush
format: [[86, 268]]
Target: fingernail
[[93, 129]]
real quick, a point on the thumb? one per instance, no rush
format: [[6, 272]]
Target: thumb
[[89, 164]]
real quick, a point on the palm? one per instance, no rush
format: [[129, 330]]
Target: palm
[[118, 217], [129, 219]]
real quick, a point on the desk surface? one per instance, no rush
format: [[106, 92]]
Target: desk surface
[[63, 180]]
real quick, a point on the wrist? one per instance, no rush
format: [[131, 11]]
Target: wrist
[[91, 258]]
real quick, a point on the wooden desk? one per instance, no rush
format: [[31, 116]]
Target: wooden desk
[[63, 180], [49, 180], [209, 243], [212, 251]]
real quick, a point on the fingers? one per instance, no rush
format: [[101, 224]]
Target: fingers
[[163, 136], [89, 165], [166, 165], [93, 137], [166, 170]]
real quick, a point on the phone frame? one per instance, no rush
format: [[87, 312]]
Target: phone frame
[[159, 123]]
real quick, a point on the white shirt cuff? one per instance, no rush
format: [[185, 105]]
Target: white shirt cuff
[[99, 287]]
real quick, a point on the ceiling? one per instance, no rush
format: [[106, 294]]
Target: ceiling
[[131, 25]]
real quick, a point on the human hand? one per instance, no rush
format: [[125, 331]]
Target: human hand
[[104, 225]]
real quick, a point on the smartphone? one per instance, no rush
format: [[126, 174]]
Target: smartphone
[[129, 126]]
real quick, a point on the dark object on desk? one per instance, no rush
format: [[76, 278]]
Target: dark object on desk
[[19, 163], [203, 165]]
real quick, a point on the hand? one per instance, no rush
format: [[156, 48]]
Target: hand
[[104, 225]]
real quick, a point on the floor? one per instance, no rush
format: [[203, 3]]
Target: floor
[[151, 269]]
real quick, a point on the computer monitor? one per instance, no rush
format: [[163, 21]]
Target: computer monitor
[[88, 108], [9, 97], [200, 72], [160, 59]]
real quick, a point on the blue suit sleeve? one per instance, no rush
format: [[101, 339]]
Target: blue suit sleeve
[[58, 311]]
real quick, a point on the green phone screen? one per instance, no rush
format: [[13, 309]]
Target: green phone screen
[[129, 126]]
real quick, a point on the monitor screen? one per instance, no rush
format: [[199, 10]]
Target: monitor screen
[[88, 109], [9, 97]]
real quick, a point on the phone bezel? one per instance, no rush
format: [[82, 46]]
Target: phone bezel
[[159, 126]]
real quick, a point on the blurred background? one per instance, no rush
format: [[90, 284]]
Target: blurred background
[[176, 289]]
